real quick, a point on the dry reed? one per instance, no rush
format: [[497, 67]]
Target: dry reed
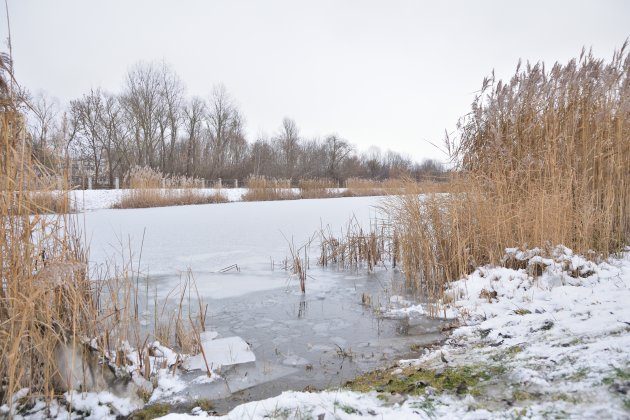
[[543, 159], [358, 187], [260, 188], [60, 328], [45, 299], [142, 198], [318, 188], [151, 188], [356, 247]]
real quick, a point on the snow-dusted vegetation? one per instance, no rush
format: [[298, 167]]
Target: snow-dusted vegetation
[[160, 260]]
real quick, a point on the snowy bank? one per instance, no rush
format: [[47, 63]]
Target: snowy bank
[[547, 338]]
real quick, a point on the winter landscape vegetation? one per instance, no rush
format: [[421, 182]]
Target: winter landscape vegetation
[[161, 261]]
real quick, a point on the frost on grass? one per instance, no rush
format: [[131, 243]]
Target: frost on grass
[[545, 336]]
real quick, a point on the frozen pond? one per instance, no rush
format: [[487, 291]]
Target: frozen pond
[[208, 238], [319, 339]]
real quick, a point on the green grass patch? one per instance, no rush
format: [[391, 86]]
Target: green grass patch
[[521, 311], [618, 375], [204, 403], [347, 409], [414, 381], [579, 375], [508, 353], [149, 412]]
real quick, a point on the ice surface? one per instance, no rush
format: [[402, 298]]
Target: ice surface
[[168, 241], [208, 336], [570, 339], [221, 352], [246, 376]]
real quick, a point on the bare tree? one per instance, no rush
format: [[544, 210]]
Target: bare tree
[[152, 123], [114, 136], [172, 97], [87, 114], [45, 111], [337, 150], [194, 113], [224, 125], [288, 143], [142, 103]]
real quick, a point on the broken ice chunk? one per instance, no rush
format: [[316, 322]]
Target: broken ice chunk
[[221, 352], [208, 336]]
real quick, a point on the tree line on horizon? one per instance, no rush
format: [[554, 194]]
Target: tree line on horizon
[[153, 123]]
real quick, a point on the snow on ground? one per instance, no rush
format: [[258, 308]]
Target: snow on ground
[[86, 200], [554, 334], [119, 401]]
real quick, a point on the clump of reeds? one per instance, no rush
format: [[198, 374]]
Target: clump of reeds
[[144, 177], [260, 188], [541, 160], [150, 188], [45, 299], [359, 187], [49, 201], [318, 188], [142, 198], [355, 247], [61, 329]]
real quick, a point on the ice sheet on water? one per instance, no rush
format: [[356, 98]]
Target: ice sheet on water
[[221, 352], [208, 336], [294, 360], [246, 376]]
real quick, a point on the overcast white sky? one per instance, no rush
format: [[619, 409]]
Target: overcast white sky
[[389, 73]]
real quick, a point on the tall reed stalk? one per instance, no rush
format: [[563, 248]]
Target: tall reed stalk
[[60, 328], [541, 160]]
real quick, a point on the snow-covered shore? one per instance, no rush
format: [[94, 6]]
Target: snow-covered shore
[[558, 345], [548, 338]]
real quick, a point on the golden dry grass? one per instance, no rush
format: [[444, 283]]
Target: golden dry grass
[[144, 177], [60, 326], [44, 296], [143, 198], [151, 188], [264, 189], [359, 187], [318, 188], [542, 160]]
